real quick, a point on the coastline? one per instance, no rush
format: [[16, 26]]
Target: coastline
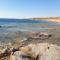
[[15, 41], [53, 19]]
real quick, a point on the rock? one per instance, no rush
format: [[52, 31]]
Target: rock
[[14, 49], [52, 54], [5, 52], [19, 55], [34, 50], [42, 51], [39, 35]]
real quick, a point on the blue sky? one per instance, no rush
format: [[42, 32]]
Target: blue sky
[[29, 8]]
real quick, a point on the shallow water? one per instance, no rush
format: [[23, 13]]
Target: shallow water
[[11, 29], [25, 25]]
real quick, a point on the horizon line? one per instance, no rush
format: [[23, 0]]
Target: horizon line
[[28, 17]]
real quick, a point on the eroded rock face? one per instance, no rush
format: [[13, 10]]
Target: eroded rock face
[[52, 54], [44, 51], [40, 51], [18, 55], [35, 49]]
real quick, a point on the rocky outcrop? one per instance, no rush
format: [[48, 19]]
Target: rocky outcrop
[[19, 55], [43, 51], [40, 51], [52, 54], [39, 35]]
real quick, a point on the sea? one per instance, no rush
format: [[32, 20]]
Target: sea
[[10, 29], [11, 25]]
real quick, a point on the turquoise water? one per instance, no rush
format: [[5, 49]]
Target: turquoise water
[[11, 29], [24, 25]]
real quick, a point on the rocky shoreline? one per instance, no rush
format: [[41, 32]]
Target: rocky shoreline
[[37, 39], [40, 51]]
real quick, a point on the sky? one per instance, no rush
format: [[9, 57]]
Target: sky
[[29, 8]]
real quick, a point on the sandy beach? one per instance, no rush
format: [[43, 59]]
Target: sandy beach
[[51, 19], [55, 20]]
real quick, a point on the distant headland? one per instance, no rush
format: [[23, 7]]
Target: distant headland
[[52, 19]]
